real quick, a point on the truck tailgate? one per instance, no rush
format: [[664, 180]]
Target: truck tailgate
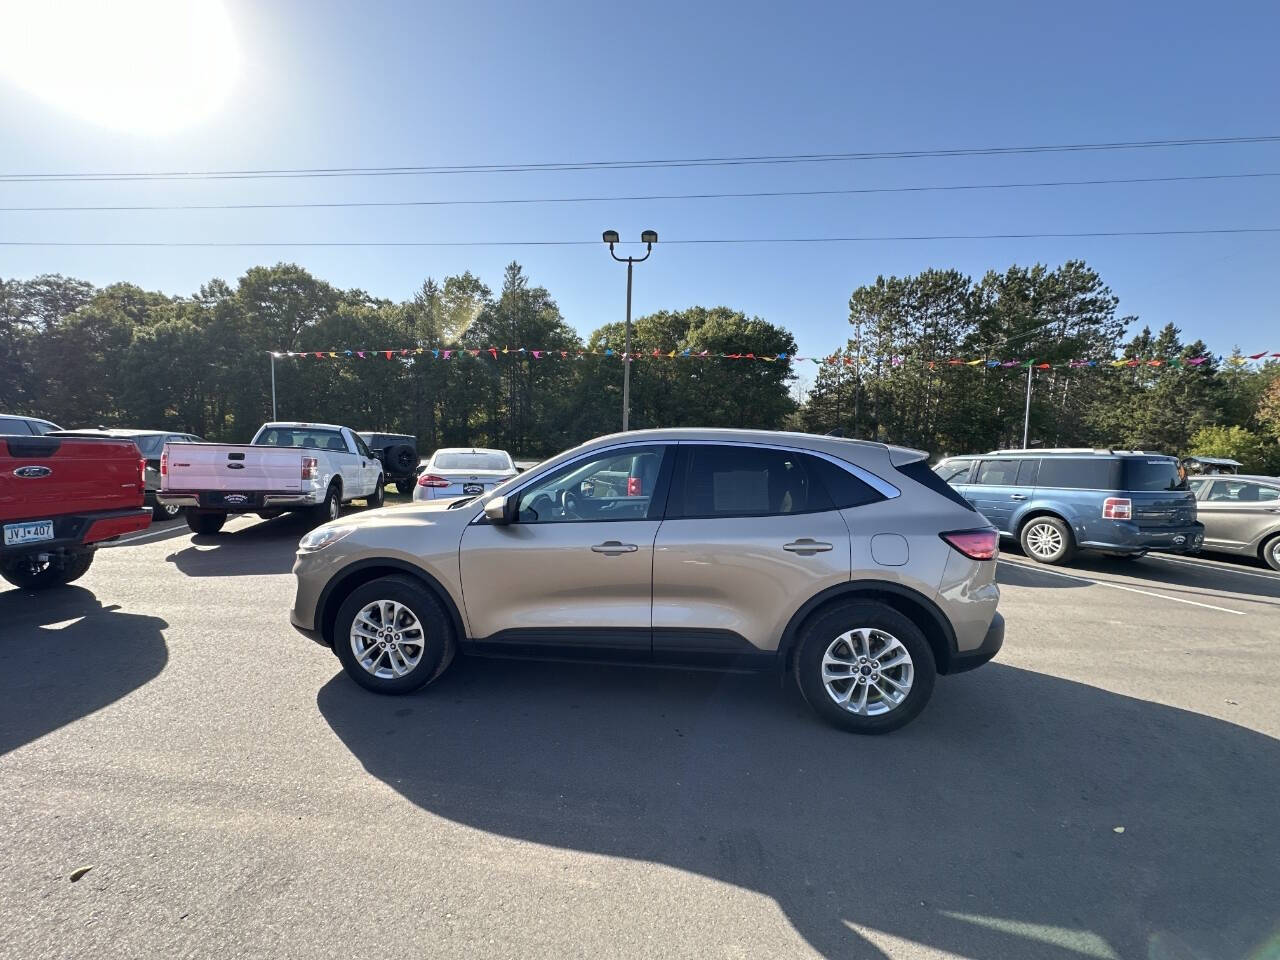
[[53, 476], [231, 467]]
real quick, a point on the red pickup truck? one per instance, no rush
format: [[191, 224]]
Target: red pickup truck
[[59, 499]]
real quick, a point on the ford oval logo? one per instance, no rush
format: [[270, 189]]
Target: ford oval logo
[[32, 472]]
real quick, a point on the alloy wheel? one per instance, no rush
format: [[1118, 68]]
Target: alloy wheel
[[387, 639], [1044, 540], [867, 671]]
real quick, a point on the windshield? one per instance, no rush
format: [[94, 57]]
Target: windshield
[[1152, 475], [471, 460], [306, 437]]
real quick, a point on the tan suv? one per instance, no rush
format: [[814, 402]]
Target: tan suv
[[849, 563]]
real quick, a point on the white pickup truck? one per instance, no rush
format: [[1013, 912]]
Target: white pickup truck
[[314, 467]]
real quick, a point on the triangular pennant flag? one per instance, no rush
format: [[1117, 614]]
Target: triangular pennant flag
[[671, 354], [1043, 366], [447, 354], [974, 363], [360, 354], [537, 354], [493, 352], [1257, 356]]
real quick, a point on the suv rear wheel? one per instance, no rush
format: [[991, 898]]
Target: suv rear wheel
[[393, 636], [1047, 540], [864, 667]]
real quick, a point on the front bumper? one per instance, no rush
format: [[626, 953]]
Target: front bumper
[[989, 647]]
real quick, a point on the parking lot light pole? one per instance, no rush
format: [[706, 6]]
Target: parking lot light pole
[[648, 238], [1026, 417]]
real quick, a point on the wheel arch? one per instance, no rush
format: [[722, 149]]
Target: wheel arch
[[365, 571], [1036, 512], [912, 604]]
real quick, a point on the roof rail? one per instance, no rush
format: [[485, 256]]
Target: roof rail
[[1050, 450]]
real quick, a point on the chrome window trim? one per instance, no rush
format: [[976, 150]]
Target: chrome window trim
[[876, 483]]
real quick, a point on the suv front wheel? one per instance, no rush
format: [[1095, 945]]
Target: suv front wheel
[[865, 667], [392, 635]]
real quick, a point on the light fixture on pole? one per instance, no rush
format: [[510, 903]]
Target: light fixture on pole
[[648, 238]]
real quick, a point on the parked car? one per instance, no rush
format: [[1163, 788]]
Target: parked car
[[1055, 502], [1209, 465], [463, 472], [24, 426], [846, 562], [1241, 515], [398, 453], [315, 467], [60, 497], [150, 444]]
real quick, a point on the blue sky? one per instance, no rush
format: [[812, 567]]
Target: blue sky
[[338, 84]]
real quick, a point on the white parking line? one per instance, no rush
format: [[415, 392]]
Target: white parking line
[[1214, 565], [146, 534], [1119, 586]]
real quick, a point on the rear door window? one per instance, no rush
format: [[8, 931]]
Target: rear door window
[[1027, 472], [1080, 473], [997, 473], [1242, 491], [729, 481]]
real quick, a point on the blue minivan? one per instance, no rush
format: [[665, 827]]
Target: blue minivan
[[1055, 502]]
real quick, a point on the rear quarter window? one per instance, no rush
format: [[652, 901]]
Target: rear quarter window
[[1080, 473], [923, 475], [1154, 474]]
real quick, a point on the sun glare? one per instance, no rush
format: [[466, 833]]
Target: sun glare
[[146, 66]]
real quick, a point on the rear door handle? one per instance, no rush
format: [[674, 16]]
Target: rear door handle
[[806, 546], [612, 548], [1017, 496]]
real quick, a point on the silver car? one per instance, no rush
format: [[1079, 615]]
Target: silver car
[[463, 472], [847, 563], [1241, 515]]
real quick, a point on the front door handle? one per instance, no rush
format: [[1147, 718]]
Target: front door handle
[[806, 546], [612, 548], [1017, 496]]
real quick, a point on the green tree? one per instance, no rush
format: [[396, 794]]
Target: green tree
[[1256, 453]]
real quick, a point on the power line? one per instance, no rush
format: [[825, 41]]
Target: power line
[[756, 194], [582, 243], [387, 171]]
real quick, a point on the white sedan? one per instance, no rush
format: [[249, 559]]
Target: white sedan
[[454, 472]]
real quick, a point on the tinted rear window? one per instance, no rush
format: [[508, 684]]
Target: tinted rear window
[[470, 461], [150, 444], [732, 481], [921, 474], [1138, 473], [304, 437], [1080, 473], [844, 489]]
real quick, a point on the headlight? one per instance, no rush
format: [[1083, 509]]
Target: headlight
[[322, 537]]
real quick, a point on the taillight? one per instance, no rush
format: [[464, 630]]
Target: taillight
[[974, 544], [431, 480], [634, 487], [164, 464], [309, 468], [142, 471], [1117, 508]]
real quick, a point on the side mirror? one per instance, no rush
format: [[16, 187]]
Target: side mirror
[[499, 510]]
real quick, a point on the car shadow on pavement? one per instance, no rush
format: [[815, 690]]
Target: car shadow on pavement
[[64, 655], [260, 549], [990, 827]]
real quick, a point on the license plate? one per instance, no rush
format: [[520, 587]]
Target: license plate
[[15, 533], [473, 488]]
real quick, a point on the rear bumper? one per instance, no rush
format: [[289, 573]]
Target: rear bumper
[[79, 532], [249, 501], [990, 646], [1125, 537]]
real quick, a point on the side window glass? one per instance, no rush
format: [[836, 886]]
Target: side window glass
[[997, 473], [1240, 491], [954, 471], [1027, 471], [733, 481], [1196, 485], [1079, 473], [842, 487], [1270, 494], [614, 485], [363, 448]]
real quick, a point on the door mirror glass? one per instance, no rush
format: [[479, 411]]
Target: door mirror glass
[[495, 511]]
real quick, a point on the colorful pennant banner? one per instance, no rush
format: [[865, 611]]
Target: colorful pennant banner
[[493, 353]]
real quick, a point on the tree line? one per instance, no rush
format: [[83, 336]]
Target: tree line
[[123, 356]]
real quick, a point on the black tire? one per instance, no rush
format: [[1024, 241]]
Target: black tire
[[405, 487], [30, 574], [438, 642], [161, 512], [379, 495], [1040, 533], [330, 508], [1271, 552], [826, 628], [204, 522], [401, 458]]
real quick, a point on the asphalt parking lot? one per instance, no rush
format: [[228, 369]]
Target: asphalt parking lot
[[1109, 787]]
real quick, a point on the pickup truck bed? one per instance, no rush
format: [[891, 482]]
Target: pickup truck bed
[[59, 499]]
